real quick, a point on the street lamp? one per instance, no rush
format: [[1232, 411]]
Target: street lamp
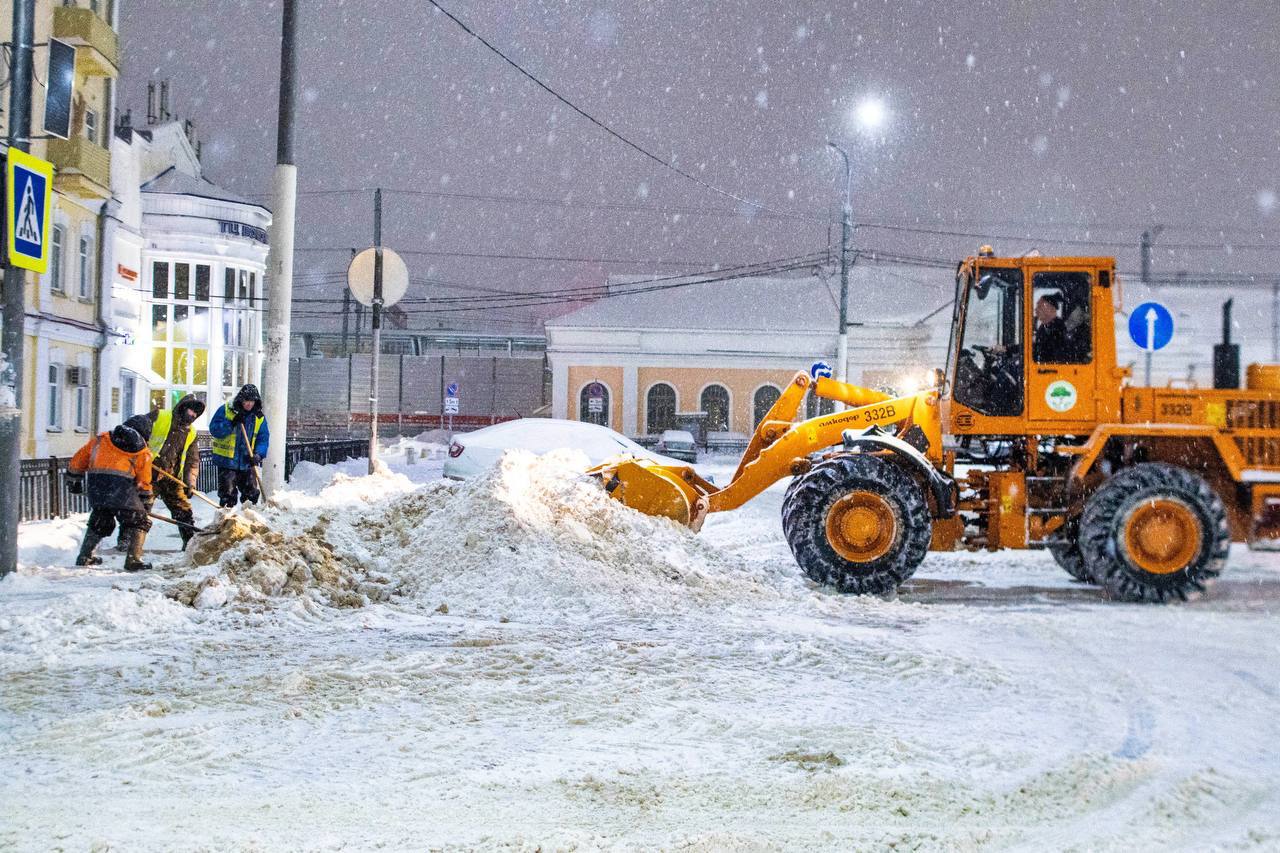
[[868, 116]]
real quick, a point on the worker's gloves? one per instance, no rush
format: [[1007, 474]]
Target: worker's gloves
[[256, 460], [75, 483], [189, 491]]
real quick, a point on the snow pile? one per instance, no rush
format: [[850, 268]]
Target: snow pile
[[253, 562], [533, 535]]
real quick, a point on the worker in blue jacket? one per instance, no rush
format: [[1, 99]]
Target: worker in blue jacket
[[240, 440]]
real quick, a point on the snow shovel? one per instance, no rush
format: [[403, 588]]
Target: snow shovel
[[201, 495], [249, 449], [211, 530]]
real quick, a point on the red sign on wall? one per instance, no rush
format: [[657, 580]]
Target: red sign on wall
[[126, 273]]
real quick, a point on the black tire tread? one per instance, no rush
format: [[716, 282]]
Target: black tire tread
[[1099, 537], [1067, 553], [804, 511]]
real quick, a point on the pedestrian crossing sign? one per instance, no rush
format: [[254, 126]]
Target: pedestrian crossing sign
[[28, 203]]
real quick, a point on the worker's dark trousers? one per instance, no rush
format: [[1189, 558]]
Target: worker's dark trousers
[[231, 481]]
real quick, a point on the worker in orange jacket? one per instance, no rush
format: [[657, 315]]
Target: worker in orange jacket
[[114, 471]]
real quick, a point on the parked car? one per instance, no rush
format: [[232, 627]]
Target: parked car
[[678, 444], [473, 453]]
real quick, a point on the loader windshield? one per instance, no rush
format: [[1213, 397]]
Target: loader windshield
[[989, 369]]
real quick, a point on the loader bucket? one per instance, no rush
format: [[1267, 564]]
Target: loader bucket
[[671, 491]]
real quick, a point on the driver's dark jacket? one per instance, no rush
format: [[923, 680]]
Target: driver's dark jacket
[[1049, 345]]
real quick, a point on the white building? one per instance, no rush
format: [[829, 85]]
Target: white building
[[187, 261], [728, 347]]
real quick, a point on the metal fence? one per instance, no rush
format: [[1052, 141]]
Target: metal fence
[[43, 491]]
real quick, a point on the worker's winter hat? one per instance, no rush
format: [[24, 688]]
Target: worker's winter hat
[[141, 424], [192, 403], [128, 439]]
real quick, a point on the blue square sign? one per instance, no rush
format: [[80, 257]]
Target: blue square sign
[[29, 199]]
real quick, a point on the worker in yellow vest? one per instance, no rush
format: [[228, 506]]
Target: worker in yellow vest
[[240, 440], [174, 451]]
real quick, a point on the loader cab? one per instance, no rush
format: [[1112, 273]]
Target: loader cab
[[1032, 346]]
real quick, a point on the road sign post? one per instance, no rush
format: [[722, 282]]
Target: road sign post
[[451, 403], [378, 278], [1151, 328]]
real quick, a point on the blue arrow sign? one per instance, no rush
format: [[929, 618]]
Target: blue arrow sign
[[451, 390], [1151, 326]]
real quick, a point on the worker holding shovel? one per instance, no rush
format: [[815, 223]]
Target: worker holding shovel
[[176, 460], [240, 440], [114, 471]]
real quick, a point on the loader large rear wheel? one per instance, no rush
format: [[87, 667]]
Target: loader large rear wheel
[[858, 523], [1066, 552], [1154, 532]]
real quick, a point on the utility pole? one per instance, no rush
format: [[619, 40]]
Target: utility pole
[[1144, 260], [846, 229], [284, 197], [346, 316], [15, 309], [377, 330]]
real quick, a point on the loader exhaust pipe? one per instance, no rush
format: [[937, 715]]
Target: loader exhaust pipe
[[1226, 355]]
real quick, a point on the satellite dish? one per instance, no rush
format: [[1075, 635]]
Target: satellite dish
[[395, 277]]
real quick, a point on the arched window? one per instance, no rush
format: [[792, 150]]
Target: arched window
[[660, 408], [597, 401], [815, 406], [765, 397], [715, 402]]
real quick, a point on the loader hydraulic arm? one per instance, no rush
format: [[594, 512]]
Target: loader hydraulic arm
[[778, 444]]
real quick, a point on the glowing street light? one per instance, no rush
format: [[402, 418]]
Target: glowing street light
[[870, 114]]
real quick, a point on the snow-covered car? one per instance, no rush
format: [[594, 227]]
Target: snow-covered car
[[678, 444], [473, 453]]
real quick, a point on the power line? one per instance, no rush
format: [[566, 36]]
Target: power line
[[600, 124], [517, 257]]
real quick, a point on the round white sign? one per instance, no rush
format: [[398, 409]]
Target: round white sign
[[395, 277], [1061, 396]]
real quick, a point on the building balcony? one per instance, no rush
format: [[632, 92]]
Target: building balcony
[[97, 45], [80, 168]]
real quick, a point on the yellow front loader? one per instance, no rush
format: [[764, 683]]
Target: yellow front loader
[[1032, 437], [877, 528]]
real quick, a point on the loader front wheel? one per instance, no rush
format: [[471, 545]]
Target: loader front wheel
[[1154, 532], [858, 523]]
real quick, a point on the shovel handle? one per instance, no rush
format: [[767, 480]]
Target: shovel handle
[[249, 449], [201, 495], [174, 521]]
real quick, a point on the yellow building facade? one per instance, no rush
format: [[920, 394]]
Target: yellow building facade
[[64, 325]]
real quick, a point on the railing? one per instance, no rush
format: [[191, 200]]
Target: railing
[[43, 494]]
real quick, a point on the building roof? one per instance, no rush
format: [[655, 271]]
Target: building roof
[[174, 182], [878, 294]]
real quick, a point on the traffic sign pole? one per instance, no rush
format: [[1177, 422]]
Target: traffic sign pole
[[15, 309], [377, 330]]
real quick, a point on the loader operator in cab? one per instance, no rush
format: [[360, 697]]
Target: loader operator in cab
[[1050, 343]]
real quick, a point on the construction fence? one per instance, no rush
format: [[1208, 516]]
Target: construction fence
[[330, 396], [43, 494]]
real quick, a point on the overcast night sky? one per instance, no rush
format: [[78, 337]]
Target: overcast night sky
[[1077, 120]]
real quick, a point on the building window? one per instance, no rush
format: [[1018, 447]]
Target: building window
[[128, 387], [91, 126], [593, 404], [817, 406], [765, 397], [715, 402], [55, 396], [86, 267], [159, 280], [660, 408], [56, 280], [82, 399], [202, 283]]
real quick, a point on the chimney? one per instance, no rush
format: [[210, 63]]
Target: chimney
[[151, 102]]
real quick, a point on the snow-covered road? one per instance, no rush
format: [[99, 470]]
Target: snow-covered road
[[702, 697]]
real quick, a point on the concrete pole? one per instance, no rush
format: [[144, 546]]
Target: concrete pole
[[846, 230], [15, 309], [284, 196], [377, 330]]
